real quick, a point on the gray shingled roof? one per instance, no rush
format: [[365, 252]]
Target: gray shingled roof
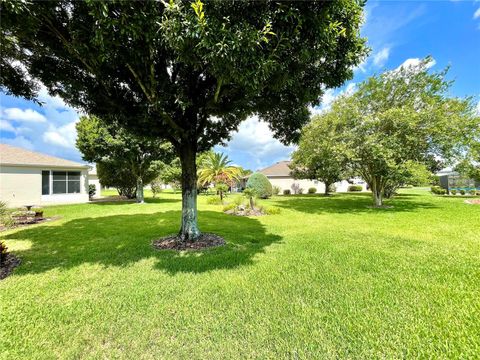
[[15, 156]]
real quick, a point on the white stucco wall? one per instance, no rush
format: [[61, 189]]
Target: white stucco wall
[[93, 179], [22, 185], [286, 182]]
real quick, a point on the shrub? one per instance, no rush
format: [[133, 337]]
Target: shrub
[[355, 188], [92, 189], [156, 186], [312, 190], [228, 207], [332, 188], [276, 190], [261, 185], [3, 252], [453, 192], [238, 200], [286, 192], [272, 210], [214, 200], [472, 192], [439, 191], [462, 192], [478, 192]]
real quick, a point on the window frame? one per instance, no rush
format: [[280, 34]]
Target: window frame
[[67, 181]]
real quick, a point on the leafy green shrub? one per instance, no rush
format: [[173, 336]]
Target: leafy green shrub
[[462, 192], [156, 186], [439, 190], [312, 190], [272, 210], [91, 190], [478, 193], [276, 190], [355, 188], [286, 192], [238, 200], [228, 207], [3, 252], [214, 200], [472, 192], [453, 192], [261, 185]]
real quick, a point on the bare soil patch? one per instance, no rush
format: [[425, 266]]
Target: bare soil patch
[[10, 263], [473, 202], [174, 242]]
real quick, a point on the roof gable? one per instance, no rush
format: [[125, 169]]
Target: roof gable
[[15, 156], [279, 169]]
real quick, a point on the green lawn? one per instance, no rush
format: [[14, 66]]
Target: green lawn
[[327, 278]]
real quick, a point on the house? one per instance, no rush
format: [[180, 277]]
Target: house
[[279, 175], [452, 180], [31, 178]]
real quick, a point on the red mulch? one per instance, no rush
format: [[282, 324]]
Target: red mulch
[[473, 202], [10, 263], [174, 242]]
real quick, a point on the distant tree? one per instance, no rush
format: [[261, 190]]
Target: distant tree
[[143, 157], [321, 154], [215, 168], [112, 175], [189, 72], [402, 117], [470, 164]]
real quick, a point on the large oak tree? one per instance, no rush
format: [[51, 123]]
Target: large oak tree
[[189, 72]]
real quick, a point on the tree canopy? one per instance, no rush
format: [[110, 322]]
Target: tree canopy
[[189, 72], [138, 158], [400, 119], [321, 154]]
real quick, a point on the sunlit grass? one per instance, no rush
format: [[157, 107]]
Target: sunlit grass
[[329, 277]]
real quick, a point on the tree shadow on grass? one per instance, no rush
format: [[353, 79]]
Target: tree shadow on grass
[[120, 240], [349, 203]]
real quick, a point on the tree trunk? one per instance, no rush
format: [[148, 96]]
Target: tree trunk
[[326, 189], [140, 198], [251, 204], [189, 230], [377, 193]]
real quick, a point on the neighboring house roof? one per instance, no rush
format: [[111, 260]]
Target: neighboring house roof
[[279, 169], [15, 156]]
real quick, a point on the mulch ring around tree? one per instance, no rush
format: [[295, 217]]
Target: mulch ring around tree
[[7, 266], [473, 202], [29, 223], [174, 242]]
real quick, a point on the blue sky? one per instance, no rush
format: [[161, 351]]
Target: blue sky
[[398, 32]]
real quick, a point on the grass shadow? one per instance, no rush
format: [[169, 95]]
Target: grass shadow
[[121, 240], [351, 203]]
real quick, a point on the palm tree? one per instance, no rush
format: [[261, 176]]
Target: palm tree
[[216, 168]]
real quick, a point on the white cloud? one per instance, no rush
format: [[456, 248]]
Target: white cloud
[[62, 136], [254, 141], [476, 15], [330, 96], [380, 58], [412, 62], [6, 126], [55, 102], [26, 115]]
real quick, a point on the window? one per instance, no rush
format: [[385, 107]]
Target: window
[[45, 182], [66, 182]]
